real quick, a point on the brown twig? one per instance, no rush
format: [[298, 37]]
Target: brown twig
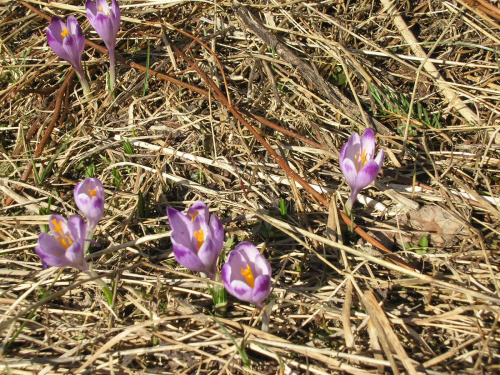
[[55, 116]]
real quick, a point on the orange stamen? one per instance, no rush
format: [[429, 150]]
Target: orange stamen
[[63, 239], [248, 275], [65, 33], [361, 161], [193, 216], [200, 237], [92, 192], [101, 10]]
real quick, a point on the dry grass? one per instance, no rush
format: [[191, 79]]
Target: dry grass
[[338, 304]]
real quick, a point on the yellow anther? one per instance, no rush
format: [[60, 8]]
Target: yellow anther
[[248, 275], [58, 232], [361, 160], [193, 216], [200, 237], [57, 226], [101, 10], [65, 33], [92, 192]]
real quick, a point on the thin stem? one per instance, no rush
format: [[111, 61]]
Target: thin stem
[[265, 321], [88, 239], [112, 71], [102, 284], [83, 81]]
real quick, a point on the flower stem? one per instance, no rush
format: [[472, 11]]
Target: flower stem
[[81, 77], [112, 71], [102, 284], [348, 211], [88, 239], [265, 321]]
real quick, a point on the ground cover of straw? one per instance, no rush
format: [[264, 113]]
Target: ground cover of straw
[[199, 129]]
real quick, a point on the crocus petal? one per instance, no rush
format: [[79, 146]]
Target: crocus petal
[[188, 258], [206, 251], [247, 250], [64, 247], [198, 208], [367, 174], [50, 245], [56, 45], [91, 10], [380, 158], [261, 289], [104, 28], [217, 230], [241, 290], [75, 256], [368, 143], [348, 169], [102, 6], [49, 260], [116, 16], [77, 31], [180, 224], [353, 147], [56, 28], [247, 274], [77, 227], [342, 154], [262, 266], [89, 198]]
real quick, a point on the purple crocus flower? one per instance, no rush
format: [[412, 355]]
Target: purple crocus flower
[[106, 22], [247, 274], [197, 238], [357, 163], [68, 42], [89, 198], [63, 247]]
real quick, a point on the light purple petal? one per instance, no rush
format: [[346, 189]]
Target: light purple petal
[[49, 260], [198, 208], [241, 290], [180, 224], [77, 228], [367, 174], [89, 198], [104, 28], [353, 147], [188, 258], [349, 171], [102, 6], [342, 154], [75, 256], [49, 245], [261, 289], [262, 266], [74, 57], [237, 262], [368, 143], [56, 27], [56, 45], [217, 230], [225, 275], [91, 10], [380, 158], [207, 253], [247, 250], [116, 16]]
